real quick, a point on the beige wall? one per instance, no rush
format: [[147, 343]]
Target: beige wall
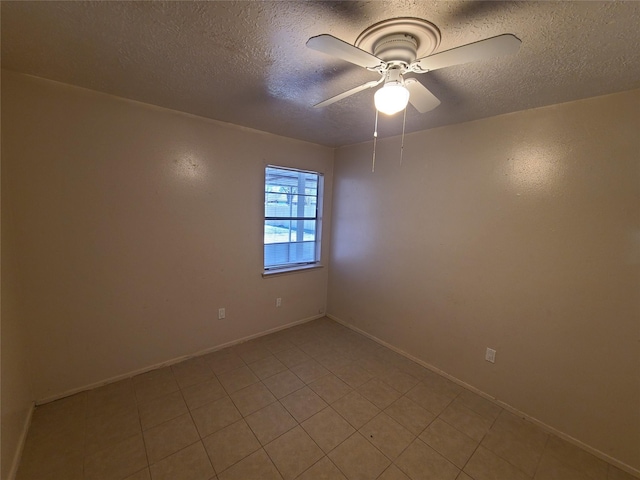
[[133, 225], [520, 233], [17, 397]]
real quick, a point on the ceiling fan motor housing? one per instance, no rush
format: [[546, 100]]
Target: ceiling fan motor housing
[[400, 47]]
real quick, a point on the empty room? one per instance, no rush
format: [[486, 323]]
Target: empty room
[[320, 240]]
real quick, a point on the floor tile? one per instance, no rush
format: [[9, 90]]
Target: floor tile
[[162, 409], [237, 379], [112, 398], [330, 388], [333, 360], [415, 370], [373, 365], [284, 383], [257, 466], [117, 461], [303, 403], [356, 409], [56, 437], [267, 367], [378, 393], [410, 415], [157, 375], [464, 476], [485, 465], [421, 462], [328, 429], [202, 393], [72, 405], [252, 398], [551, 468], [358, 459], [292, 357], [428, 399], [442, 386], [323, 469], [293, 453], [277, 344], [169, 437], [154, 387], [68, 466], [393, 473], [216, 415], [480, 405], [230, 445], [353, 375], [141, 475], [452, 444], [577, 458], [514, 449], [316, 347], [387, 435], [251, 351], [105, 430], [224, 361], [400, 381], [191, 463], [309, 371], [467, 421], [270, 422], [526, 431], [191, 372]]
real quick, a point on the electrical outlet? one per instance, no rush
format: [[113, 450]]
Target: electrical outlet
[[221, 314], [490, 356], [278, 302]]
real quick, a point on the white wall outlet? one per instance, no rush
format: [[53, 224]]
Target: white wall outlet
[[221, 313], [278, 302], [490, 356]]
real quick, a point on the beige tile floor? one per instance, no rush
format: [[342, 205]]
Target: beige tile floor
[[315, 401]]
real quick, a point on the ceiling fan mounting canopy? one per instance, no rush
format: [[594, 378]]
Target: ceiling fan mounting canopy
[[399, 47], [425, 35]]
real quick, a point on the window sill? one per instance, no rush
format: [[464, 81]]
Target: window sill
[[284, 271]]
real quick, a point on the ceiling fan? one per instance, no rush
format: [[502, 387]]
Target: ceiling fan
[[396, 47]]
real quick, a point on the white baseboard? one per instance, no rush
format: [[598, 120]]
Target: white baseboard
[[594, 451], [173, 361], [21, 441]]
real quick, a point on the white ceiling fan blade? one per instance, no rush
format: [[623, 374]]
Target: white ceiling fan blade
[[348, 93], [421, 98], [506, 44], [336, 47]]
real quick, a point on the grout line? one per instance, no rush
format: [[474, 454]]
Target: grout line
[[544, 449]]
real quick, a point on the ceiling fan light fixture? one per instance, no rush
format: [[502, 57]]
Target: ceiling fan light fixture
[[391, 98]]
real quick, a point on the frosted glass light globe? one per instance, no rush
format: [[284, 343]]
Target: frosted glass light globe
[[391, 98]]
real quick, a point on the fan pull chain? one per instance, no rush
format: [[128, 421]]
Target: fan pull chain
[[404, 121], [375, 140]]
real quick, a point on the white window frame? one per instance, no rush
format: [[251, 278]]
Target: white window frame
[[295, 266]]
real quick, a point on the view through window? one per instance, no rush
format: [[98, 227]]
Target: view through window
[[291, 222]]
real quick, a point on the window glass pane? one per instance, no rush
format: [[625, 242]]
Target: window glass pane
[[277, 231], [277, 254], [291, 224]]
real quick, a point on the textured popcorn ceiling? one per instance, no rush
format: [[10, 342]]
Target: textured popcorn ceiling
[[246, 62]]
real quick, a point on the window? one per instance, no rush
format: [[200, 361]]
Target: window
[[291, 219]]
